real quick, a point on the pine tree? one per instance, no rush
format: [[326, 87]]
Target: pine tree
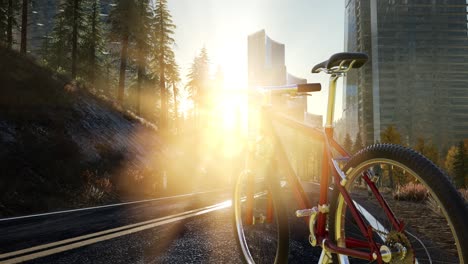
[[121, 18], [11, 21], [3, 20], [427, 149], [465, 145], [76, 20], [175, 94], [163, 29], [57, 47], [460, 170], [141, 35], [390, 135], [198, 81], [9, 11], [174, 79], [204, 77], [450, 160], [12, 11], [348, 143], [358, 145], [92, 46], [24, 26], [67, 37], [456, 164]]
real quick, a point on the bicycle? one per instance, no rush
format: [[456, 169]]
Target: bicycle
[[361, 222]]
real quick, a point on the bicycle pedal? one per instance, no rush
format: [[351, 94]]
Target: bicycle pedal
[[307, 212]]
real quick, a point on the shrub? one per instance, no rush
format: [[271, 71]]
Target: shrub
[[414, 192], [95, 189], [464, 194]]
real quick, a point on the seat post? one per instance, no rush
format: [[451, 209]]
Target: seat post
[[331, 100]]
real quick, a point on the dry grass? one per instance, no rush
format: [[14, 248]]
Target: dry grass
[[96, 189], [414, 192], [464, 194], [128, 114]]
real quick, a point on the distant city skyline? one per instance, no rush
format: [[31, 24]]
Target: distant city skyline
[[223, 26]]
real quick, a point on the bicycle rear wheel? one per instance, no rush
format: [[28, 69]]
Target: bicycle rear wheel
[[419, 194], [260, 219]]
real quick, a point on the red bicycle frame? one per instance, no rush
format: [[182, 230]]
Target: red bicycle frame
[[329, 166]]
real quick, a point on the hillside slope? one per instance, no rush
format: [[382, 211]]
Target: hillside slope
[[61, 147]]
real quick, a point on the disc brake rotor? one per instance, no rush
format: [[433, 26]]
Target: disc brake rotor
[[401, 246]]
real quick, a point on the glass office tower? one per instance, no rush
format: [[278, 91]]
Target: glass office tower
[[417, 75], [266, 63]]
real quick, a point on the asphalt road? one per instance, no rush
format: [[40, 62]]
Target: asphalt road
[[204, 237]]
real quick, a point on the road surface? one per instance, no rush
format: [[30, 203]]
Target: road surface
[[186, 229]]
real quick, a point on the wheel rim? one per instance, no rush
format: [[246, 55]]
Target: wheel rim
[[426, 247], [258, 242]]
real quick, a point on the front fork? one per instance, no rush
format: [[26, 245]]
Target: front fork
[[250, 217], [249, 198]]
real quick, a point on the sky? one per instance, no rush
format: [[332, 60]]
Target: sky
[[311, 30]]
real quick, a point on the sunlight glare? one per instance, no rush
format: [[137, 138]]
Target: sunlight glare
[[234, 66]]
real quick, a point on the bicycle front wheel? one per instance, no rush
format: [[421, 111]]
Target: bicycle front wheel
[[260, 219], [419, 194]]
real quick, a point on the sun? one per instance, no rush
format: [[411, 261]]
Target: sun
[[231, 108], [233, 63]]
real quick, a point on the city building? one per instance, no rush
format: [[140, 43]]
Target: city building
[[417, 75], [266, 67]]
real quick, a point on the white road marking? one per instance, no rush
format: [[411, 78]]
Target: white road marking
[[105, 235], [106, 206]]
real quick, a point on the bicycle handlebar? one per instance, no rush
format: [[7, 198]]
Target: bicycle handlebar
[[295, 88]]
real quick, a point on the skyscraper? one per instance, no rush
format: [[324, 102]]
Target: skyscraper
[[265, 61], [266, 67], [417, 75]]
